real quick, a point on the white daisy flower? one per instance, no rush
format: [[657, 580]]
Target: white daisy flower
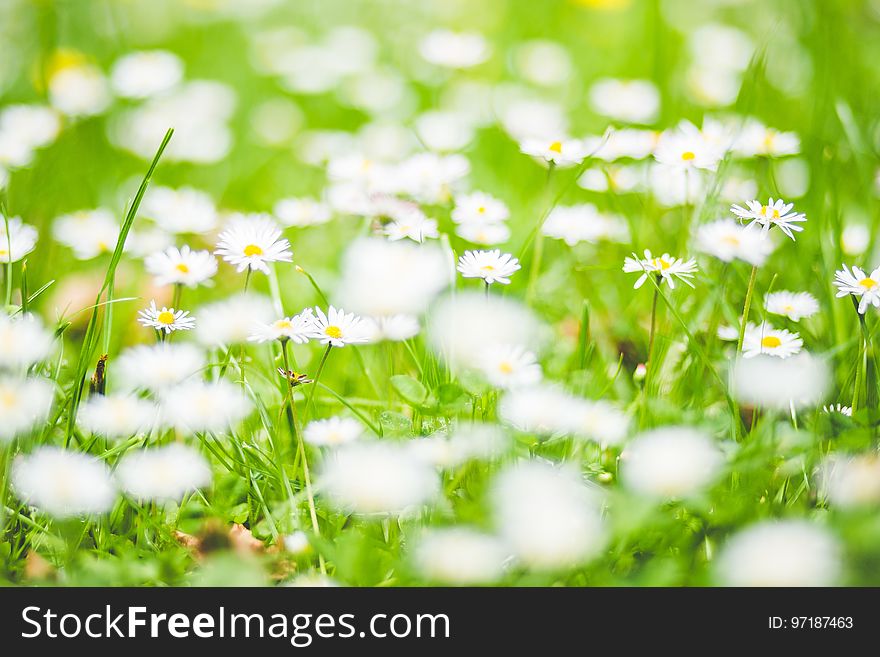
[[774, 342], [666, 267], [17, 239], [166, 319], [144, 74], [800, 381], [855, 239], [89, 233], [542, 409], [63, 483], [757, 139], [852, 482], [24, 404], [630, 101], [157, 367], [837, 408], [774, 213], [297, 328], [561, 152], [471, 442], [491, 266], [454, 49], [415, 226], [332, 432], [79, 90], [860, 285], [251, 242], [338, 329], [23, 341], [507, 366], [794, 305], [728, 240], [162, 473], [33, 126], [203, 406], [486, 234], [583, 223], [686, 148], [599, 421], [428, 178], [395, 328], [460, 556], [232, 320], [116, 416], [184, 210], [181, 266], [302, 212], [479, 207]]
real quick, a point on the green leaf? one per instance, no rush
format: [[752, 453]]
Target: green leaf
[[409, 389]]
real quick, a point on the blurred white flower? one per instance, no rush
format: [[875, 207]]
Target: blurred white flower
[[117, 416], [794, 305], [79, 90], [852, 482], [23, 341], [485, 234], [780, 553], [232, 320], [297, 328], [686, 148], [454, 49], [332, 432], [157, 367], [561, 152], [547, 516], [543, 62], [302, 212], [183, 210], [413, 225], [459, 556], [202, 406], [757, 139], [780, 384], [63, 483], [543, 409], [728, 240], [147, 73], [600, 421], [630, 101], [855, 239], [479, 207], [394, 328], [181, 266], [376, 478], [89, 233], [507, 366], [670, 462], [583, 223], [444, 131], [24, 405], [162, 473]]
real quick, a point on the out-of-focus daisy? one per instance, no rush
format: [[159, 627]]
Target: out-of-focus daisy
[[166, 319], [17, 239], [145, 74], [415, 226], [561, 152], [297, 328], [454, 49], [79, 90], [542, 409], [794, 305], [302, 212], [728, 240], [63, 483], [23, 341], [444, 130], [486, 234], [162, 473], [183, 210], [765, 339], [599, 421], [203, 406], [774, 213], [855, 239], [116, 416], [685, 148], [631, 101], [837, 408], [251, 242], [859, 284], [757, 139], [332, 431], [800, 381], [666, 267], [507, 366], [181, 266], [852, 482], [479, 207], [491, 266], [395, 328], [338, 329], [89, 233], [582, 223], [460, 556], [428, 177], [24, 404], [232, 320], [157, 367]]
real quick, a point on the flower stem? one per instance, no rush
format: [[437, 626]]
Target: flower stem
[[746, 306], [315, 383], [178, 292], [650, 360]]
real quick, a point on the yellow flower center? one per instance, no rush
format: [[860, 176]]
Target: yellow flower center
[[769, 139], [282, 324], [771, 342], [868, 283], [556, 147], [481, 209], [102, 246], [789, 308], [8, 399], [333, 332], [253, 250], [487, 268], [182, 268], [505, 368], [165, 317], [687, 156], [733, 240]]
